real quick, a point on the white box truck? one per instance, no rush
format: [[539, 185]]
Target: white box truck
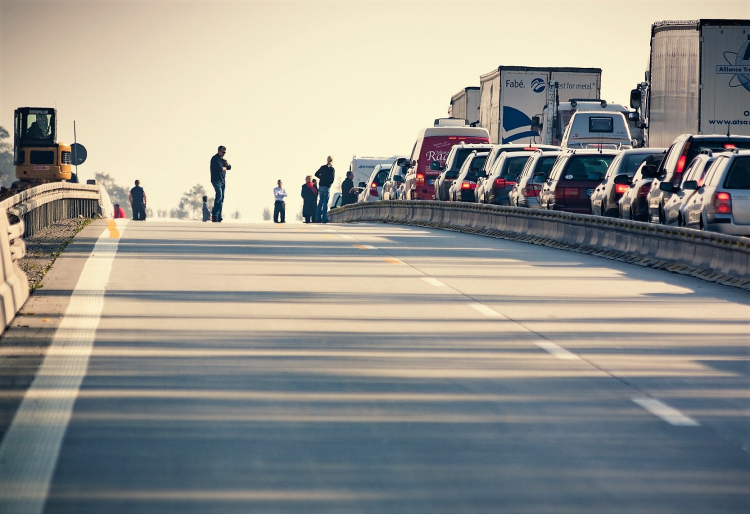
[[465, 105], [362, 167], [511, 95], [697, 81]]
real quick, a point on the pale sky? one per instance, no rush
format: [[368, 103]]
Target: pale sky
[[156, 86]]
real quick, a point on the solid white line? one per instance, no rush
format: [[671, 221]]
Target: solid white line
[[557, 351], [665, 412], [30, 448], [485, 310], [433, 282]]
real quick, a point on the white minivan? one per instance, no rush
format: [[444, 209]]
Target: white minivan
[[598, 130]]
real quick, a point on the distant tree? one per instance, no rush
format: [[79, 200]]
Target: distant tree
[[178, 213], [299, 216], [192, 200], [117, 194], [7, 170], [266, 214], [149, 212], [236, 214]]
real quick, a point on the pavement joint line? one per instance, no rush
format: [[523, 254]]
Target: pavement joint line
[[665, 412], [557, 351], [485, 310], [31, 446], [433, 282]]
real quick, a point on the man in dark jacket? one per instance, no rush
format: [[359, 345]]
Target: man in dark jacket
[[219, 167], [325, 175], [348, 194], [137, 199]]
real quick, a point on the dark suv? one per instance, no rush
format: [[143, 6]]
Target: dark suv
[[573, 179], [679, 156]]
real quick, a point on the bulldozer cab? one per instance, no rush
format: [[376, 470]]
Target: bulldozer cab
[[33, 127]]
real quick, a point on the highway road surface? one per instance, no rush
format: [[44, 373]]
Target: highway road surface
[[201, 368]]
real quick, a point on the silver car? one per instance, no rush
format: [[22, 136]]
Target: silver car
[[722, 203], [674, 209], [373, 190], [526, 191]]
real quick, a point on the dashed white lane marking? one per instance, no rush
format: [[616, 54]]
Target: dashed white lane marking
[[665, 412], [485, 310], [392, 260], [433, 282], [365, 247], [557, 351], [30, 448], [346, 237], [330, 230]]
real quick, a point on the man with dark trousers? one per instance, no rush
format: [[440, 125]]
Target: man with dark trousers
[[219, 167], [279, 209], [325, 174], [137, 199]]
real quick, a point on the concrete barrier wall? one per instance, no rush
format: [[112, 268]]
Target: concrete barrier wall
[[707, 255], [28, 212]]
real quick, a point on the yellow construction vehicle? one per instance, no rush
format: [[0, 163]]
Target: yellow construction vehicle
[[36, 153]]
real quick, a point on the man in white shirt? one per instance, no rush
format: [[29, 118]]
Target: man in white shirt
[[279, 209]]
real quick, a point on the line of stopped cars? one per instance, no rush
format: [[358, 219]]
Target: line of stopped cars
[[700, 181]]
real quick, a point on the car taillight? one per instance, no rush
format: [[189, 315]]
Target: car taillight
[[531, 190], [420, 179], [571, 192], [644, 190], [723, 203], [374, 189], [681, 164], [621, 189], [468, 185], [501, 182], [729, 146]]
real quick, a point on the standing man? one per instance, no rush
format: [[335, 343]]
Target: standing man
[[137, 199], [279, 209], [219, 167], [325, 174], [348, 194]]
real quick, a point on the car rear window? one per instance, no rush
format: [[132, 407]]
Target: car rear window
[[739, 174], [580, 166], [380, 178], [633, 161], [514, 165], [715, 145], [544, 166], [461, 155]]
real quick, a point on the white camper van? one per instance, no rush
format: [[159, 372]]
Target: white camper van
[[597, 129]]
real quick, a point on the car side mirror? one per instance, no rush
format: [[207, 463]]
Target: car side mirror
[[649, 171], [622, 180], [635, 98], [362, 184], [689, 185], [401, 161], [595, 176], [667, 187]]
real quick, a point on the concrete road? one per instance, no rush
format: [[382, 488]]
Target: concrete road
[[381, 369]]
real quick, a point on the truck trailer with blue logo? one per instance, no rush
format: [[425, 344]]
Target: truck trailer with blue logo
[[510, 96], [697, 81]]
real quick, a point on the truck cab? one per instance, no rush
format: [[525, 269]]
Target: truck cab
[[36, 153], [597, 130]]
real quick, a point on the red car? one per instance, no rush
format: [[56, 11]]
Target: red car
[[430, 151]]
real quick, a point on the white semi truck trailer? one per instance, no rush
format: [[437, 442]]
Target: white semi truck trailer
[[511, 96], [465, 105], [697, 81]]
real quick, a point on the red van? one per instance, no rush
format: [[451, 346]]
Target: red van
[[433, 145]]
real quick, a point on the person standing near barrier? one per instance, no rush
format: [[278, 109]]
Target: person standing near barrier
[[137, 199], [279, 209], [219, 167], [348, 195], [309, 199], [325, 174]]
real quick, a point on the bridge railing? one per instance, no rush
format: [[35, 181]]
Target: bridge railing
[[707, 255], [30, 211]]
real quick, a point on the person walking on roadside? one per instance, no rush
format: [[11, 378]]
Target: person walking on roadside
[[137, 199], [325, 174], [348, 194], [219, 167], [119, 211], [309, 199], [279, 209]]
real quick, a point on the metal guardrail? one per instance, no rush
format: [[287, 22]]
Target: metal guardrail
[[28, 212], [707, 255]]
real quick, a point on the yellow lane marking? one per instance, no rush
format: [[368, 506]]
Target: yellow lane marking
[[113, 232], [391, 260]]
